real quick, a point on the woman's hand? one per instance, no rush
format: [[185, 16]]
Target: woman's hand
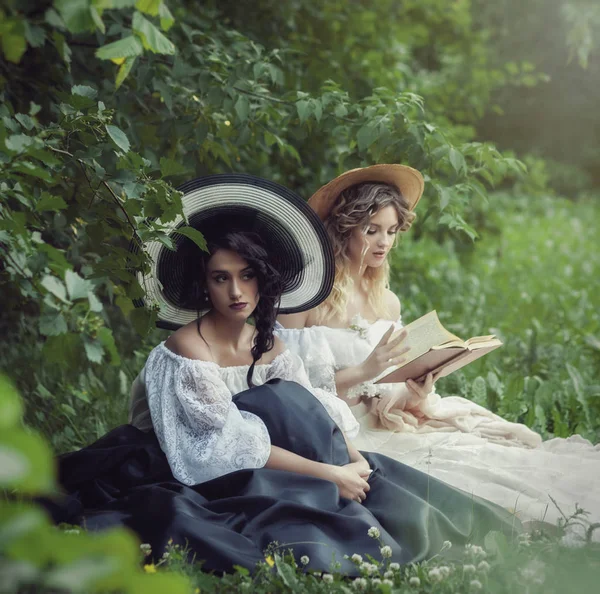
[[349, 481], [385, 354], [362, 467], [422, 389]]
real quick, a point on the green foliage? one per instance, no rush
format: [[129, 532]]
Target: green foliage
[[533, 282], [36, 556]]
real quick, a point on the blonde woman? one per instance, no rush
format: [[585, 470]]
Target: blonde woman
[[345, 343]]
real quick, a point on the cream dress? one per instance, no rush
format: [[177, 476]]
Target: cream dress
[[452, 438]]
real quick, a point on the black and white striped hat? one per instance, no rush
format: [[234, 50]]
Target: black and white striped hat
[[295, 238]]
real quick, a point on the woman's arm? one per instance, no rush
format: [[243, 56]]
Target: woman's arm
[[348, 479]]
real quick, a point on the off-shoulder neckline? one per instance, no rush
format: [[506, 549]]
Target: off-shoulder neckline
[[214, 364]]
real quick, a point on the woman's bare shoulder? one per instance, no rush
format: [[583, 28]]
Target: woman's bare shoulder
[[294, 321], [392, 304], [186, 342]]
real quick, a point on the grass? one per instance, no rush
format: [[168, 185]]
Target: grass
[[533, 279]]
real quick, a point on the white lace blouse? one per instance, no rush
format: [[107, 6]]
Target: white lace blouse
[[201, 431]]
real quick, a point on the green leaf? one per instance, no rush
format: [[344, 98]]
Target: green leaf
[[128, 47], [457, 161], [13, 40], [63, 350], [77, 287], [150, 7], [93, 350], [303, 108], [152, 38], [171, 167], [27, 122], [194, 235], [105, 336], [76, 15], [63, 48], [579, 386], [242, 108], [166, 18], [26, 462], [479, 391], [11, 406], [118, 137], [50, 202], [97, 19], [95, 303], [366, 136], [56, 287], [33, 170], [18, 142], [52, 324], [445, 197], [84, 91], [124, 70]]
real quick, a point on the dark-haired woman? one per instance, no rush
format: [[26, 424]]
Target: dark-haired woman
[[232, 449]]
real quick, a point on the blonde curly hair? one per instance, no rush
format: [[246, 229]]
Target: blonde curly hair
[[354, 208]]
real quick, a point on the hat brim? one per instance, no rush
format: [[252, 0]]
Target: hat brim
[[292, 232], [407, 180]]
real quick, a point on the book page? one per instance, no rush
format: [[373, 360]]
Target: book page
[[424, 334]]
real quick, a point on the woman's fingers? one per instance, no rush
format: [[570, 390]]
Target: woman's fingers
[[400, 338], [386, 336]]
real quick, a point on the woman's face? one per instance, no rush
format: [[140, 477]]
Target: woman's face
[[371, 247], [232, 285]]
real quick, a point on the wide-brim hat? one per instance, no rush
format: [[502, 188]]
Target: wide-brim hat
[[407, 180], [295, 238]]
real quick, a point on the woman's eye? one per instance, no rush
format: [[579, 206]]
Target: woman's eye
[[248, 276], [220, 279], [393, 232], [371, 231]]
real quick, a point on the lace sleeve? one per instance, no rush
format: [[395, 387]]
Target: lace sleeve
[[201, 431], [288, 366]]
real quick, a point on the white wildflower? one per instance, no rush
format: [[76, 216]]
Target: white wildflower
[[304, 560], [469, 568], [435, 574], [388, 582], [534, 572], [356, 558], [375, 581], [360, 583], [72, 531], [414, 581], [166, 555], [476, 585], [368, 568], [394, 566], [444, 570], [373, 532], [476, 551], [145, 548], [327, 578], [245, 585], [446, 545], [386, 551], [483, 566], [388, 575]]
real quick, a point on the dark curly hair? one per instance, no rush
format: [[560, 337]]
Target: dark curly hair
[[251, 248]]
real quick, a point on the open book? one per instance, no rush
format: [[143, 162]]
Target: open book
[[435, 350]]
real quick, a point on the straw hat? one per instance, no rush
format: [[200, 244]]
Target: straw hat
[[294, 237], [406, 179]]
